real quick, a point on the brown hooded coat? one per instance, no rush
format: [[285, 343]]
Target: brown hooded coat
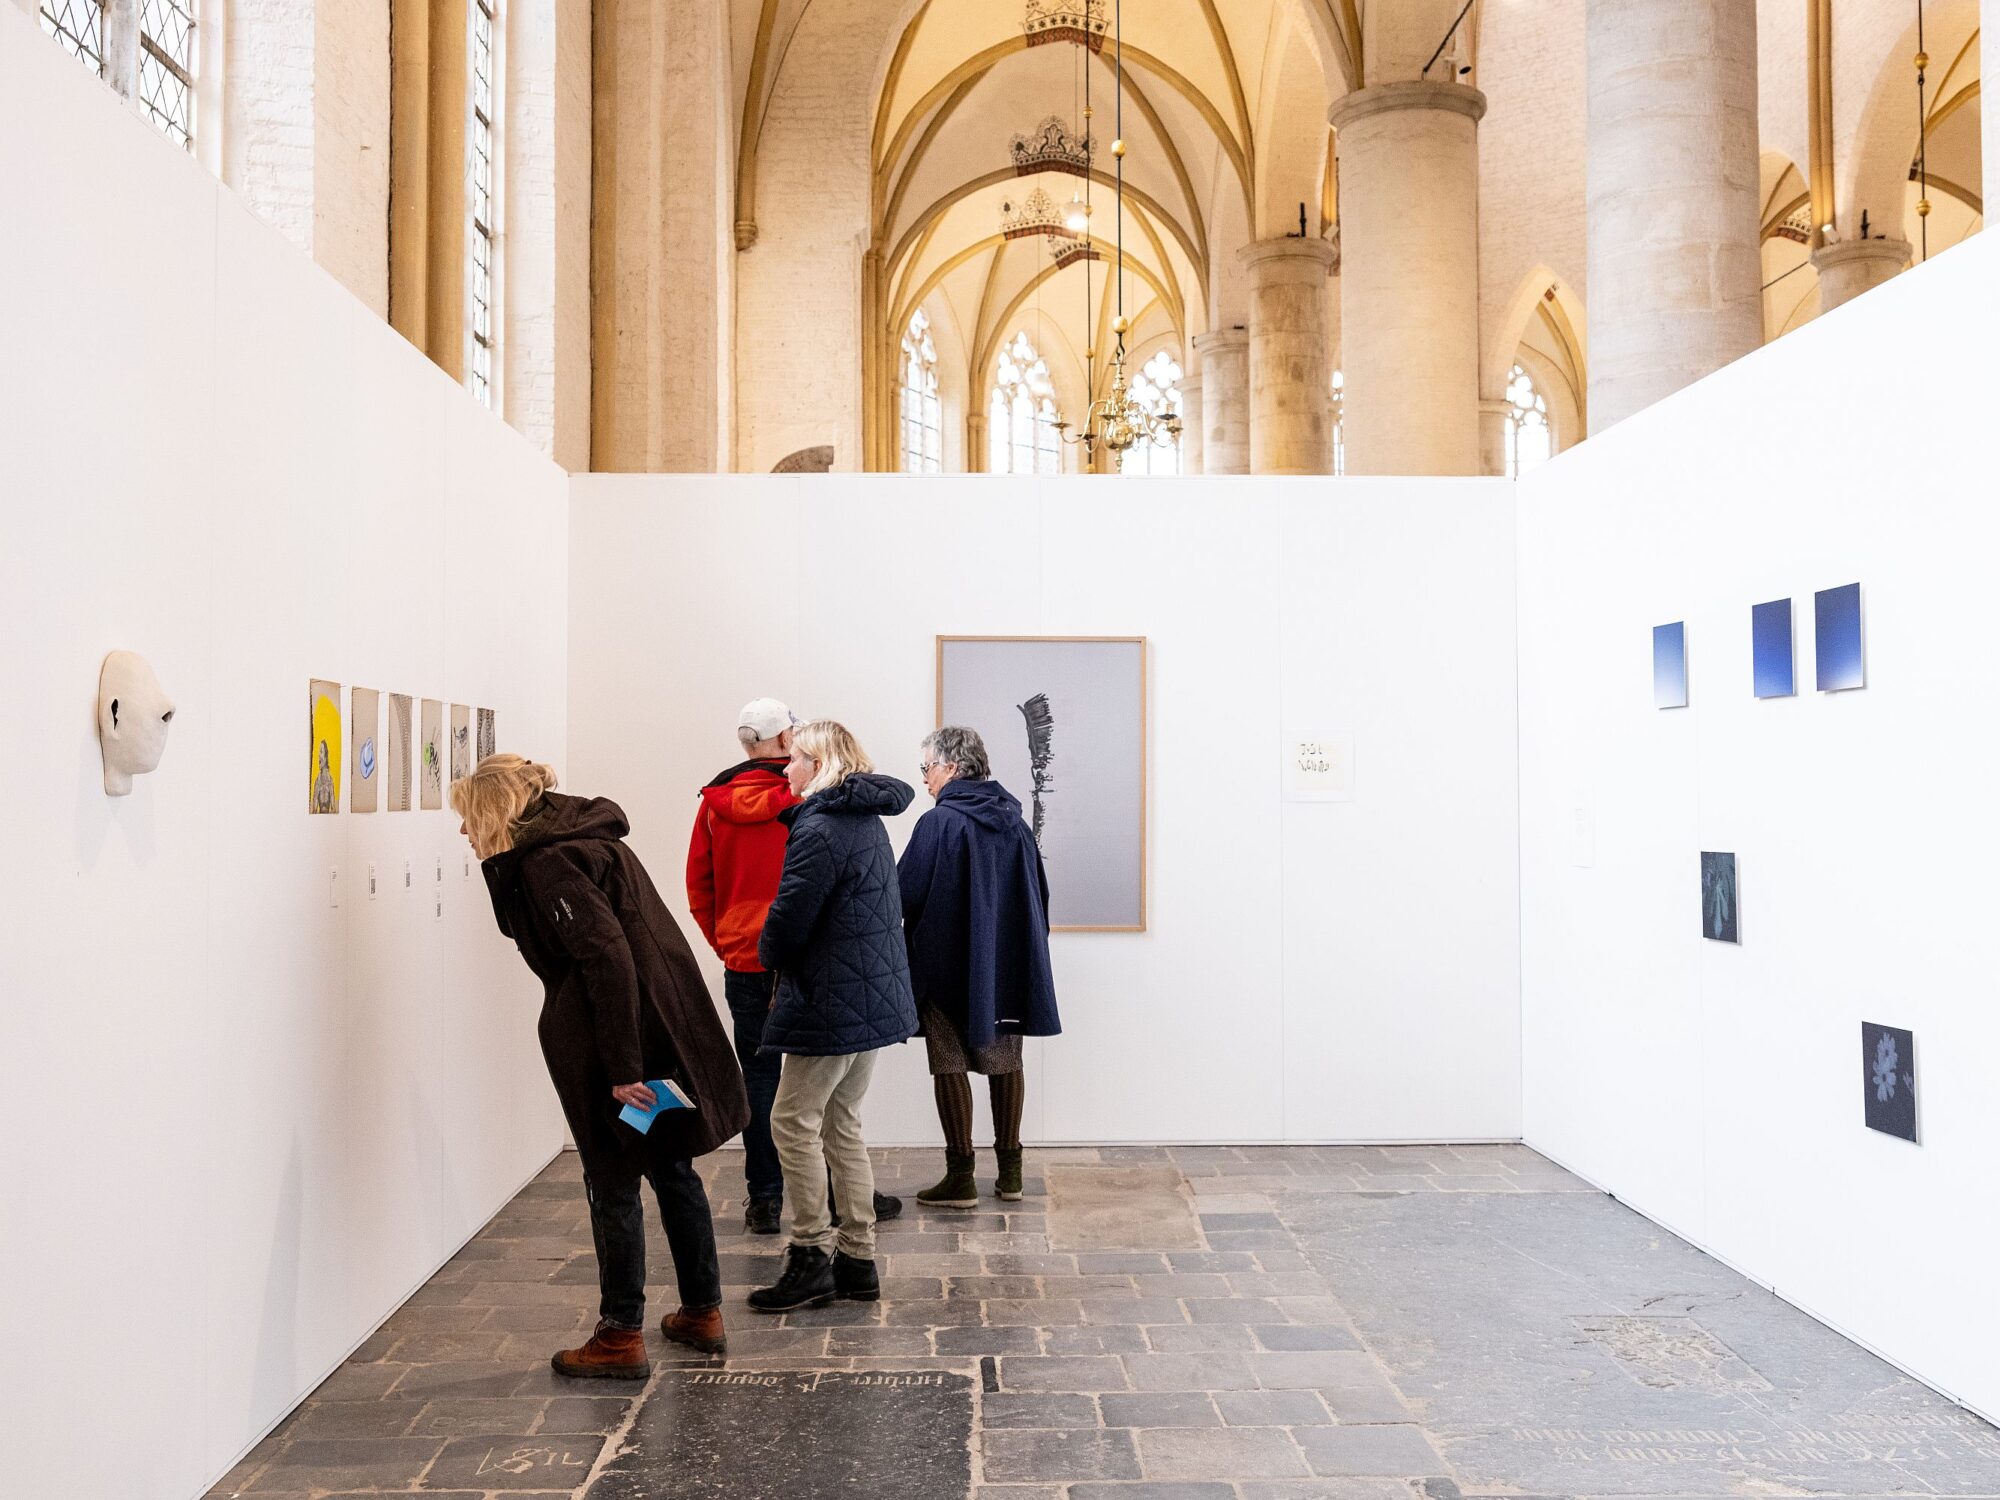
[[624, 1002]]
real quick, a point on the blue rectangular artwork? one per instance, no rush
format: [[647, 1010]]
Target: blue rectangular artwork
[[1837, 638], [1670, 665], [1771, 648], [1889, 1080]]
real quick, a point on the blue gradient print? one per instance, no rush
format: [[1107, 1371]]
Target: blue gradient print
[[1670, 665], [1771, 648], [1837, 638]]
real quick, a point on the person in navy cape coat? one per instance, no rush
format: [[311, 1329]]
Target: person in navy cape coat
[[976, 919]]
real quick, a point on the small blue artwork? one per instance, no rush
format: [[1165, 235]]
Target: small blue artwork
[[368, 757], [1771, 648], [1837, 638], [1718, 897], [1670, 665], [1889, 1080]]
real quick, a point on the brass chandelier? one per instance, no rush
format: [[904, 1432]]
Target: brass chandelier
[[1117, 420]]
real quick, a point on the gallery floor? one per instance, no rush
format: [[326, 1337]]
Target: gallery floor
[[1152, 1324]]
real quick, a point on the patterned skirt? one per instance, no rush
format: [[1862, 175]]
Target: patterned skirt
[[949, 1054]]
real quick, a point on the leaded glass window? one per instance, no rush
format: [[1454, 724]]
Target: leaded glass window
[[1157, 390], [1021, 415], [164, 79], [923, 425], [1527, 424], [1335, 416], [479, 200]]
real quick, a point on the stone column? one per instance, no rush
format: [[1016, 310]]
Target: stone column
[[1409, 277], [1493, 418], [1671, 199], [975, 440], [1850, 267], [1225, 400], [1191, 424], [1989, 116], [1290, 344]]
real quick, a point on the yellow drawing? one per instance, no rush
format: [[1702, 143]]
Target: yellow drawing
[[323, 757]]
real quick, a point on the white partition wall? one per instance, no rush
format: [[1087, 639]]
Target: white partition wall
[[241, 1125], [1718, 1087], [1312, 971]]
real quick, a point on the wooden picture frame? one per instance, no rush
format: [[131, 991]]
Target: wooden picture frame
[[1140, 893]]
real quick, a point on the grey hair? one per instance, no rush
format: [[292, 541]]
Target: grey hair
[[954, 745]]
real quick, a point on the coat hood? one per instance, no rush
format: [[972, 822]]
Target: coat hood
[[868, 794], [754, 792], [987, 803], [561, 818]]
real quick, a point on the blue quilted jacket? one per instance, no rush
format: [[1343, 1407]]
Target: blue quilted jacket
[[834, 935]]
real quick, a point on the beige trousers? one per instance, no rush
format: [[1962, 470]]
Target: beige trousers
[[816, 1126]]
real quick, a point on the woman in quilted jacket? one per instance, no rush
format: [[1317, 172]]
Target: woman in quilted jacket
[[833, 942]]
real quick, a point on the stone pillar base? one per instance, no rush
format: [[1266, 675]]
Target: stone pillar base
[[1851, 267]]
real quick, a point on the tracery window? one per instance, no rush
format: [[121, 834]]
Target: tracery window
[[923, 424], [1336, 418], [1527, 424], [160, 76], [1157, 389], [1021, 416], [482, 228]]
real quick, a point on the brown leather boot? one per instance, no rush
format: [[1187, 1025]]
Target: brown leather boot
[[611, 1354], [698, 1330]]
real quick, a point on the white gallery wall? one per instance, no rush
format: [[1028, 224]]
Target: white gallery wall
[[241, 1125], [1312, 971], [1716, 1087]]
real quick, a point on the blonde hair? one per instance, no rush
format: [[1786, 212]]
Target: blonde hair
[[492, 799], [838, 753]]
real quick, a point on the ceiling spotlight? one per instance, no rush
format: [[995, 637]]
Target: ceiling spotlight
[[1076, 218]]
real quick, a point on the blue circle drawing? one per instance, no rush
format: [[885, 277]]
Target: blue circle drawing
[[367, 758]]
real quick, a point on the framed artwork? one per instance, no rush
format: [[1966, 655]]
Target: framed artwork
[[430, 755], [365, 725], [1889, 1080], [323, 747], [402, 751], [1837, 639], [1771, 649], [484, 741], [1064, 721], [1718, 897], [1670, 665], [461, 742]]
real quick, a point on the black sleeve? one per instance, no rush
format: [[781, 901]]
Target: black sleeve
[[583, 922], [802, 891]]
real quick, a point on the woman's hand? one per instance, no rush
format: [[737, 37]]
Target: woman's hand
[[635, 1094]]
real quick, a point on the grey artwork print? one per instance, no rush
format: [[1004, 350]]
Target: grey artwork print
[[1718, 897], [1889, 1080], [402, 740], [461, 742], [485, 737], [1041, 724], [1064, 721]]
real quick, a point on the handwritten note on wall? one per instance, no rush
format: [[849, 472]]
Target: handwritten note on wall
[[1319, 768]]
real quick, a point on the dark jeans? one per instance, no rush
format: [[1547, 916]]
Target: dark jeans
[[618, 1226], [749, 997]]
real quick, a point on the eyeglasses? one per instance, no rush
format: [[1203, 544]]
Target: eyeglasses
[[927, 767]]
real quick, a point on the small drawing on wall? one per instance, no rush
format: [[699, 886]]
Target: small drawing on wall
[[430, 755], [1670, 665], [401, 741], [484, 741], [1718, 897], [364, 725], [1064, 721], [1319, 768], [461, 742], [1889, 1080], [1771, 649], [323, 747], [1837, 639]]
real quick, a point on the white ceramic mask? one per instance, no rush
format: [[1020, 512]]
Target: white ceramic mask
[[133, 714]]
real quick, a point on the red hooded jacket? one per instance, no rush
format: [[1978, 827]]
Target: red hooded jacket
[[735, 856]]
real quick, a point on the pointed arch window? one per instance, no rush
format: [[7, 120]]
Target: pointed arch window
[[1021, 414], [1157, 389], [1527, 424], [482, 226], [923, 419], [1336, 412]]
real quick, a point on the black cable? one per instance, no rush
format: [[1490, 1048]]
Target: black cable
[[1447, 37]]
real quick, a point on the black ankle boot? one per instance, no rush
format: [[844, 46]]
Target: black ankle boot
[[807, 1282], [855, 1280]]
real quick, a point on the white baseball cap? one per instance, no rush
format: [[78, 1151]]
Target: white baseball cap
[[767, 716]]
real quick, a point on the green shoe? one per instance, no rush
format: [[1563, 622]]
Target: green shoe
[[957, 1190], [1009, 1185]]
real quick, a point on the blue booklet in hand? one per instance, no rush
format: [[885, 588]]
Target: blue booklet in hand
[[666, 1095]]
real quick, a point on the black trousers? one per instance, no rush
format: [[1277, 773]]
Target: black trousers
[[618, 1227]]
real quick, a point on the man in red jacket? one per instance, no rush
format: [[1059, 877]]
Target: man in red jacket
[[735, 857]]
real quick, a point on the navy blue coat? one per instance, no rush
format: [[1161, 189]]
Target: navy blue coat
[[976, 915], [834, 935]]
